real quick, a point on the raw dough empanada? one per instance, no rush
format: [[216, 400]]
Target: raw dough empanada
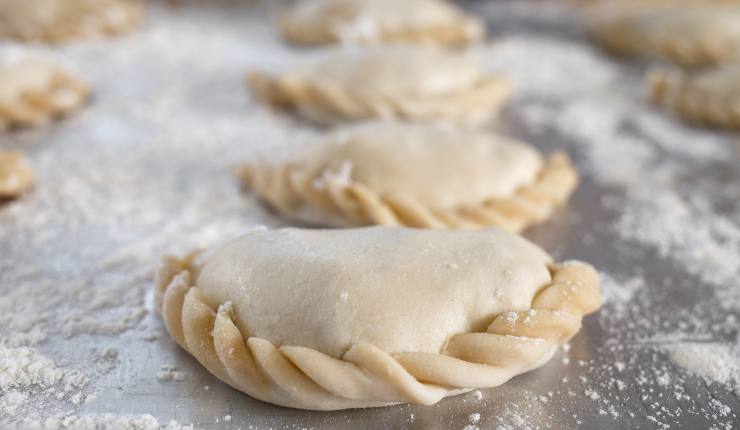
[[710, 96], [688, 32], [367, 317], [33, 92], [60, 20], [417, 176], [389, 82], [16, 175], [431, 22]]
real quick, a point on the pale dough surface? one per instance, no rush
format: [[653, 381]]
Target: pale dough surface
[[60, 20], [33, 92], [710, 96], [414, 175], [440, 167], [336, 319], [377, 21], [398, 70], [399, 81], [400, 290], [16, 175], [687, 32]]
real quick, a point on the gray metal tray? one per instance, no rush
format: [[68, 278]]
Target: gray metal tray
[[146, 170]]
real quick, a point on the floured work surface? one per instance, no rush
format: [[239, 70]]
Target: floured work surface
[[148, 169]]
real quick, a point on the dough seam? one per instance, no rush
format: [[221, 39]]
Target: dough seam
[[462, 31], [366, 376], [674, 91], [64, 94], [328, 103], [285, 190], [58, 32], [616, 35]]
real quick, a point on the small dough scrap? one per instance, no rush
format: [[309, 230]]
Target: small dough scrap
[[34, 92], [425, 22], [16, 175], [710, 97], [54, 21], [416, 84], [350, 318], [415, 175], [690, 33]]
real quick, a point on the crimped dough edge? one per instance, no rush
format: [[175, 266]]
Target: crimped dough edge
[[674, 90], [611, 29], [35, 107], [133, 10], [328, 104], [16, 175], [365, 376], [342, 204], [460, 31]]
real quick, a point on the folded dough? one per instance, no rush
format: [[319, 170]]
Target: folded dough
[[710, 96], [417, 176], [688, 32], [33, 92], [60, 20], [429, 22], [389, 82], [16, 175], [367, 317]]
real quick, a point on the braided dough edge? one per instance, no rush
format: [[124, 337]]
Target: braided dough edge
[[58, 33], [64, 94], [365, 376], [347, 203], [615, 34], [327, 103], [461, 31], [673, 90], [16, 175]]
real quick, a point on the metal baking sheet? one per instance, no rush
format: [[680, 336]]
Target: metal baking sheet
[[147, 167]]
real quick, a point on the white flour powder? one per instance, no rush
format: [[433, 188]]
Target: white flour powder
[[147, 169]]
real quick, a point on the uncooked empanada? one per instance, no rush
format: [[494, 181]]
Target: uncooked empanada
[[433, 22], [33, 92], [417, 176], [710, 96], [335, 319], [687, 32], [60, 20], [389, 82], [16, 175]]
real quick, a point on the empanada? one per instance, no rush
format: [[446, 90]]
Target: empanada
[[429, 22], [390, 82], [711, 96], [368, 317], [417, 176], [33, 92], [53, 21], [688, 32], [16, 175]]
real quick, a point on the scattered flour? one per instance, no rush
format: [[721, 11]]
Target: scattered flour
[[101, 422], [716, 362], [648, 168], [169, 372]]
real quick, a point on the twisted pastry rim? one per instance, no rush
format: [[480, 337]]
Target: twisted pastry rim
[[62, 32], [338, 202], [65, 93], [459, 31], [14, 164], [615, 34], [675, 91], [365, 376], [327, 103]]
